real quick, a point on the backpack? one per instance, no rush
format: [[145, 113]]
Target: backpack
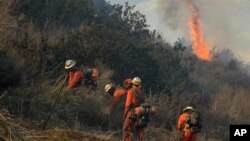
[[143, 120], [91, 76], [88, 73], [195, 121]]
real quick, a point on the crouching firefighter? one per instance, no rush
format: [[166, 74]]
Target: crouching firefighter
[[189, 124], [119, 94], [136, 113]]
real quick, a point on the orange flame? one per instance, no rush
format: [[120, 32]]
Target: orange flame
[[200, 48]]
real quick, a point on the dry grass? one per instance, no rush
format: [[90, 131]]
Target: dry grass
[[66, 135], [84, 111], [9, 130]]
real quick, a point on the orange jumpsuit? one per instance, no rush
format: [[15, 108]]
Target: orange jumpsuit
[[188, 136], [118, 95], [130, 109], [75, 79]]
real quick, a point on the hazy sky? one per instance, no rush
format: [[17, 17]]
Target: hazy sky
[[226, 23]]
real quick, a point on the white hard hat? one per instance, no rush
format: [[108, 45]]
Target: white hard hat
[[188, 108], [107, 87], [136, 81], [69, 64]]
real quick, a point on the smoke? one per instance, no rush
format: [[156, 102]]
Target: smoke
[[174, 13], [224, 22]]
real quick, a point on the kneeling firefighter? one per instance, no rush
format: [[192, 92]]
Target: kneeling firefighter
[[136, 112], [119, 94]]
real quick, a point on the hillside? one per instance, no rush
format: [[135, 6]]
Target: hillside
[[36, 37]]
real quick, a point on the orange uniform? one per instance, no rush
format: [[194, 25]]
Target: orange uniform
[[75, 79], [118, 95], [132, 102], [188, 136]]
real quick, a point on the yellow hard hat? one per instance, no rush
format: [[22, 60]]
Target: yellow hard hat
[[136, 81], [69, 64]]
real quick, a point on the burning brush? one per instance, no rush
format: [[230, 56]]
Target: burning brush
[[200, 48]]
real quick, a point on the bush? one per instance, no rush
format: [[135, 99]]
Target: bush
[[9, 73]]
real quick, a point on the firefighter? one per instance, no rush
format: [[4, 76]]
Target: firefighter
[[118, 94], [133, 101], [76, 76], [189, 124]]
